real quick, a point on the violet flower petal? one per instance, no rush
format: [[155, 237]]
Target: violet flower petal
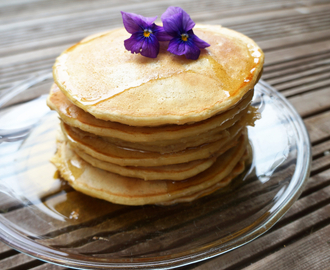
[[178, 24], [173, 25], [197, 41], [145, 34], [134, 22], [135, 42], [187, 22], [192, 51], [177, 19], [150, 47], [146, 46], [160, 33], [179, 47]]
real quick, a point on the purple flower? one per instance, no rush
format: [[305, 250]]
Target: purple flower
[[145, 34], [178, 24]]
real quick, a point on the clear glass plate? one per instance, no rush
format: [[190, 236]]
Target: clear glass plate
[[42, 216]]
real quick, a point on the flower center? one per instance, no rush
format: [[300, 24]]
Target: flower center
[[184, 37], [147, 32]]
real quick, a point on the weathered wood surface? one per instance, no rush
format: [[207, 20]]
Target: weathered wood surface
[[295, 36]]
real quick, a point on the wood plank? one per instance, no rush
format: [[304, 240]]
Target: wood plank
[[285, 27], [293, 40], [304, 84], [321, 149], [197, 12], [15, 261], [271, 241], [288, 54], [257, 9], [317, 181], [34, 92], [306, 88], [282, 29], [296, 64], [23, 11], [320, 164], [321, 179], [318, 82], [145, 8], [300, 76], [78, 34], [44, 32], [293, 67], [312, 102], [311, 252], [318, 127], [269, 16], [294, 20], [46, 9], [25, 69], [4, 247], [5, 3], [57, 40], [32, 56], [306, 205]]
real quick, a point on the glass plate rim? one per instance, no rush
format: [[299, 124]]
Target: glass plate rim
[[23, 244]]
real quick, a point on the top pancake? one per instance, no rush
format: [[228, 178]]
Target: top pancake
[[101, 77]]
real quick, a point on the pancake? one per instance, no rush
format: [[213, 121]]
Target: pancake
[[164, 147], [167, 134], [102, 78], [106, 151], [238, 169], [133, 191], [173, 172]]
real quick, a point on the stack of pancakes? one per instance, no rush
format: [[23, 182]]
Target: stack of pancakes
[[137, 131]]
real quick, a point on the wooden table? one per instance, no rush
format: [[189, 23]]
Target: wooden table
[[295, 36]]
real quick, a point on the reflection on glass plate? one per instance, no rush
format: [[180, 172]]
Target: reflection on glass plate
[[43, 216]]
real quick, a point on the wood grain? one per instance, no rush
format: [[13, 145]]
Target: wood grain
[[312, 252]]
